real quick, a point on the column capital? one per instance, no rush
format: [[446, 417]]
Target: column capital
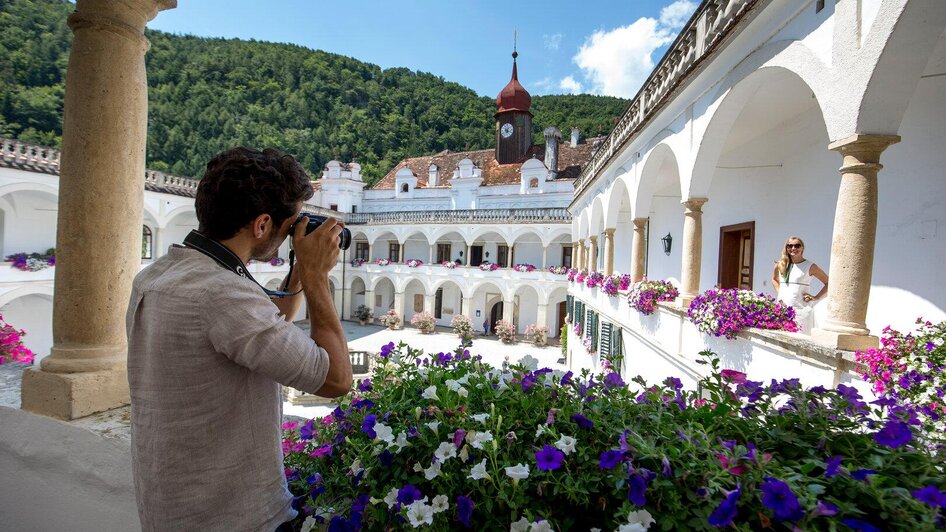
[[694, 205], [593, 239], [864, 143], [639, 223], [126, 18], [609, 232]]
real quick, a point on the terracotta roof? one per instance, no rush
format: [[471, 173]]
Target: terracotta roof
[[570, 162]]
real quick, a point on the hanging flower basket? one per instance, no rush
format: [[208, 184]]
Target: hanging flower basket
[[382, 262], [524, 268], [413, 263], [726, 312], [32, 262], [558, 270], [357, 262], [645, 294], [489, 266], [449, 264]]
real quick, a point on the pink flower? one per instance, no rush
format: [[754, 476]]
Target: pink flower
[[731, 375]]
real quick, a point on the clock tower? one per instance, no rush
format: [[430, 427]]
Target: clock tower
[[513, 120]]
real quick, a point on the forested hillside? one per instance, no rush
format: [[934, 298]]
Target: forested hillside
[[208, 94]]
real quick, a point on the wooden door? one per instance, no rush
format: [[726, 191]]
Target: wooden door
[[736, 255], [476, 255]]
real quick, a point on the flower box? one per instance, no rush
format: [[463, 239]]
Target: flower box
[[725, 312], [524, 268], [449, 264], [489, 266], [645, 294], [382, 262], [413, 263]]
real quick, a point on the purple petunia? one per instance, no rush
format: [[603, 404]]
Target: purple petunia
[[549, 458], [458, 438], [832, 466], [930, 495], [825, 509], [582, 421], [610, 459], [408, 494], [364, 386], [779, 497], [895, 434], [862, 526], [464, 510], [367, 426], [861, 474], [528, 381], [307, 431], [637, 490], [386, 350], [724, 514], [567, 378], [613, 380]]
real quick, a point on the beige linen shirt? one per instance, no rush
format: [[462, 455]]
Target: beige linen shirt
[[207, 352]]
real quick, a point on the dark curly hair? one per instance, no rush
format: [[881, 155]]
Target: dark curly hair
[[241, 184]]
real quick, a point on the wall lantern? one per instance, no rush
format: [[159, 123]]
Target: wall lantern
[[487, 254], [668, 241], [461, 253]]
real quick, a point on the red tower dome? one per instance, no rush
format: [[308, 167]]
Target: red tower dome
[[514, 96]]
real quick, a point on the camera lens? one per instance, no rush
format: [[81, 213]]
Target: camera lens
[[344, 239]]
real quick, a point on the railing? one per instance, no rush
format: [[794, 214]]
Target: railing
[[462, 216], [712, 22], [182, 184]]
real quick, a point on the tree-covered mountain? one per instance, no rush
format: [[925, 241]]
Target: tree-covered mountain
[[209, 94]]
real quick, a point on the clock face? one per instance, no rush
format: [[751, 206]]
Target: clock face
[[506, 130]]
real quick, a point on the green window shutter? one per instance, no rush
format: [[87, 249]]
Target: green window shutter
[[605, 349]]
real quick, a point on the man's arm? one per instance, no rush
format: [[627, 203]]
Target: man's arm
[[289, 306], [317, 254]]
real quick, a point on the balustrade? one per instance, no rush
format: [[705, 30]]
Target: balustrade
[[462, 216], [695, 42]]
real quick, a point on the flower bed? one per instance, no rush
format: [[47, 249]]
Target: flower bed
[[413, 263], [524, 268], [726, 312], [559, 270], [594, 279], [449, 264], [11, 344], [645, 294], [32, 262], [382, 262], [910, 370], [489, 266], [448, 442]]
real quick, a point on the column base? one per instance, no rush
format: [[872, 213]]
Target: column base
[[844, 341], [69, 396], [685, 300]]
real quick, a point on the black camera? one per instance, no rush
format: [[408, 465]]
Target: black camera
[[344, 238]]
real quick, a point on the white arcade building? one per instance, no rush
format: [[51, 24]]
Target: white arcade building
[[767, 119]]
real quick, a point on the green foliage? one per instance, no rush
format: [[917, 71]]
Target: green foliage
[[206, 95]]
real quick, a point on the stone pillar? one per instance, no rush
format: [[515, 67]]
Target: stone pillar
[[337, 300], [541, 316], [431, 254], [852, 246], [369, 302], [638, 250], [593, 259], [466, 308], [369, 252], [508, 307], [692, 249], [429, 301], [98, 247], [468, 256], [346, 303], [399, 305], [545, 258], [580, 253], [158, 243], [609, 251]]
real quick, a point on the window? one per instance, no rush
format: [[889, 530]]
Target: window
[[333, 207], [146, 242], [819, 5], [418, 302], [361, 251], [438, 304], [354, 209], [567, 256], [534, 183], [502, 256], [393, 249], [443, 252], [405, 188]]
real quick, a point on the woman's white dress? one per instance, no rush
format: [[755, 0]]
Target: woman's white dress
[[792, 290]]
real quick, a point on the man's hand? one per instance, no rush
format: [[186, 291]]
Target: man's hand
[[317, 252]]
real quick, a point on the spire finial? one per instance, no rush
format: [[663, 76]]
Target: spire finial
[[515, 54]]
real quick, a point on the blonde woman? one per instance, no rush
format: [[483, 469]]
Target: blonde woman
[[792, 281]]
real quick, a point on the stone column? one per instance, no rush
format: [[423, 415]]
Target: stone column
[[541, 316], [852, 246], [346, 304], [468, 256], [98, 244], [399, 305], [429, 301], [609, 251], [638, 250], [158, 243], [545, 257], [593, 259], [508, 310], [337, 300], [369, 302], [580, 255], [692, 249], [431, 254], [466, 308]]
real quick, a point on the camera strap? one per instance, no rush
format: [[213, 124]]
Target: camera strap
[[228, 259]]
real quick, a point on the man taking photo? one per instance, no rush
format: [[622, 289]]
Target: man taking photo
[[208, 350]]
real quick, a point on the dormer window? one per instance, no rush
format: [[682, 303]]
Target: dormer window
[[534, 183], [405, 188]]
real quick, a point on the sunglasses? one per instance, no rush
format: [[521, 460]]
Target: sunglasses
[[793, 246]]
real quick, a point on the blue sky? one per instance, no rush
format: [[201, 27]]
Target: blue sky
[[595, 47]]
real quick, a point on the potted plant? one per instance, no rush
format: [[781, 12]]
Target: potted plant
[[390, 319], [363, 314], [463, 327], [506, 331], [424, 321], [538, 335]]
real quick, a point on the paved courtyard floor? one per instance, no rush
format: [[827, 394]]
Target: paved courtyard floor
[[114, 423]]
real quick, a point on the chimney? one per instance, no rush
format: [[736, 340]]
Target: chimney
[[574, 136], [552, 139], [433, 175]]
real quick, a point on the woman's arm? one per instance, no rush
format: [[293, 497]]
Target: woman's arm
[[819, 274], [775, 283]]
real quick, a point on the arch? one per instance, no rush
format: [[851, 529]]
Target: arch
[[385, 235], [357, 277], [583, 224], [659, 164], [726, 113], [29, 186], [377, 280], [559, 234], [519, 233], [177, 211], [617, 197], [29, 289], [596, 221]]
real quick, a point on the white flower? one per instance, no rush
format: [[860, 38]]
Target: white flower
[[356, 467], [539, 430], [439, 504], [445, 451], [631, 527], [480, 418], [540, 526], [518, 471], [464, 379], [309, 524], [401, 441], [453, 385], [480, 438], [384, 432], [464, 453], [417, 467], [433, 425], [522, 525], [422, 371], [462, 392], [478, 472], [419, 513], [430, 393], [391, 498], [641, 519], [566, 444], [433, 471]]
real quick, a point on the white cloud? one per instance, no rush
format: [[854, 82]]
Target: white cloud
[[552, 42], [544, 85], [617, 62], [570, 85], [677, 14]]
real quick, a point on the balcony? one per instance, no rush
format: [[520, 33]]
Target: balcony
[[466, 216]]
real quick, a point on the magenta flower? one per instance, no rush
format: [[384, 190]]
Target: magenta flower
[[731, 375]]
